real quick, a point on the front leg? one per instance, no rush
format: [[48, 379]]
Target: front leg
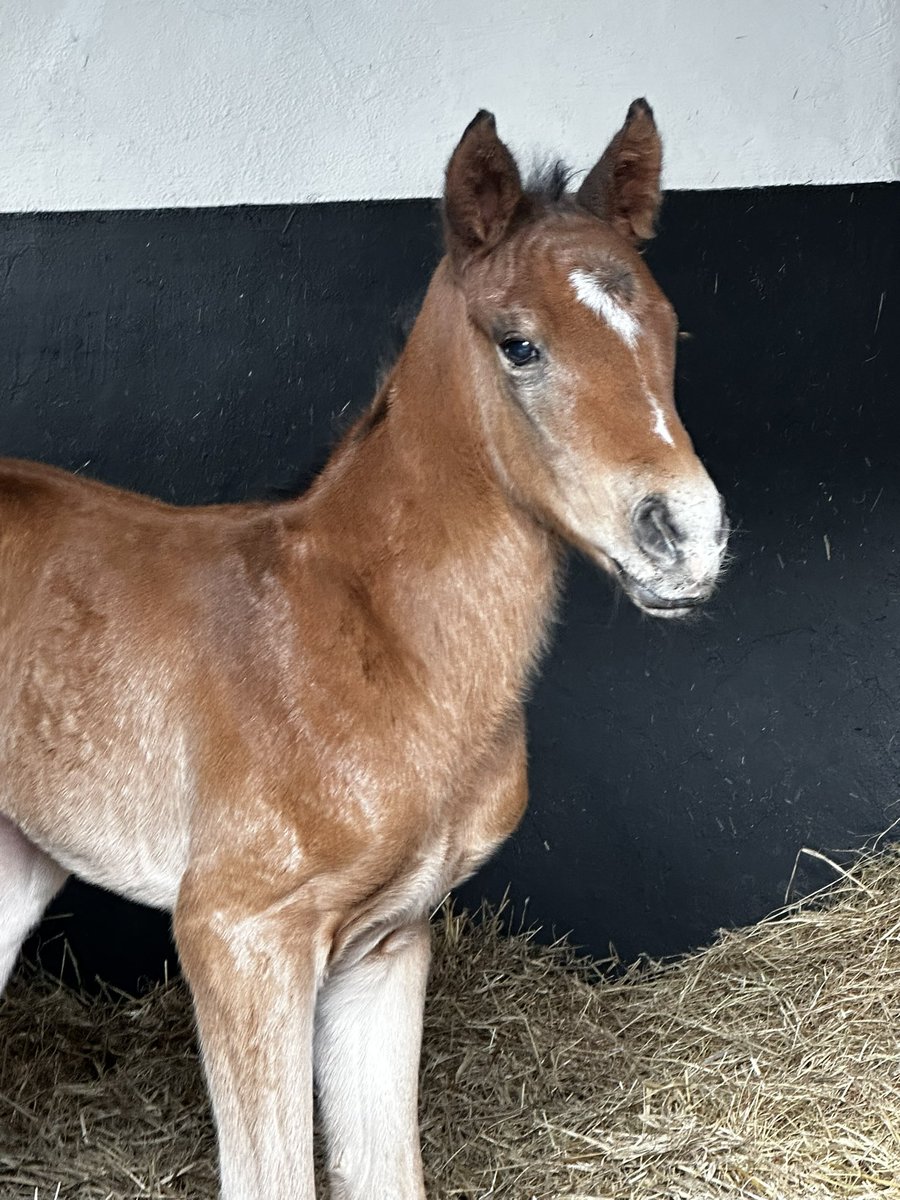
[[369, 1016], [253, 973], [367, 1044]]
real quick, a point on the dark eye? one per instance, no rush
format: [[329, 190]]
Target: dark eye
[[519, 352]]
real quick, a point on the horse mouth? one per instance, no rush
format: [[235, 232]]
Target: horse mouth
[[651, 602]]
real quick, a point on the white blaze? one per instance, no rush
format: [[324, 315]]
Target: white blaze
[[660, 428], [594, 296], [599, 301]]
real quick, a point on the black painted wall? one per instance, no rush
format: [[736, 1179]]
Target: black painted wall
[[676, 770]]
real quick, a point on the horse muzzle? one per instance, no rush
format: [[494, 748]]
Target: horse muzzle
[[680, 547]]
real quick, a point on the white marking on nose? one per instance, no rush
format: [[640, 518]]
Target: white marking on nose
[[591, 293], [660, 428]]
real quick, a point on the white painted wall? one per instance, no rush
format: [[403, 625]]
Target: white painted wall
[[145, 103]]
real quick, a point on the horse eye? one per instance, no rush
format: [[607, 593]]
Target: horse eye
[[519, 352]]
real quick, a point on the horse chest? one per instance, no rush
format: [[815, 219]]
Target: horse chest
[[479, 809], [444, 838]]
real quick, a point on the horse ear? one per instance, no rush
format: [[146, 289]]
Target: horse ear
[[482, 191], [623, 187]]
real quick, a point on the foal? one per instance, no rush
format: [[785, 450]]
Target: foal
[[298, 725]]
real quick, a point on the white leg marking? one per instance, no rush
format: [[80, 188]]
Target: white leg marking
[[368, 1035], [590, 292]]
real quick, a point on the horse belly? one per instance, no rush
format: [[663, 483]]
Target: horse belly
[[118, 831], [131, 838], [102, 785]]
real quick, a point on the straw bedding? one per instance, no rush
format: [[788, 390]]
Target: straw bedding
[[765, 1066]]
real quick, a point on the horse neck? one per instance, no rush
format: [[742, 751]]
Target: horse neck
[[414, 509]]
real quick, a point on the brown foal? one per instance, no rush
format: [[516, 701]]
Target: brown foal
[[298, 725]]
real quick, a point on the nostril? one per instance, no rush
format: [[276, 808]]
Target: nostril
[[656, 532]]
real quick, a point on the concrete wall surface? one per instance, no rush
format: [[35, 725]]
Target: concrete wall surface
[[110, 104]]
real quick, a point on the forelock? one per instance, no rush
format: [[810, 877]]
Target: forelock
[[547, 183]]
